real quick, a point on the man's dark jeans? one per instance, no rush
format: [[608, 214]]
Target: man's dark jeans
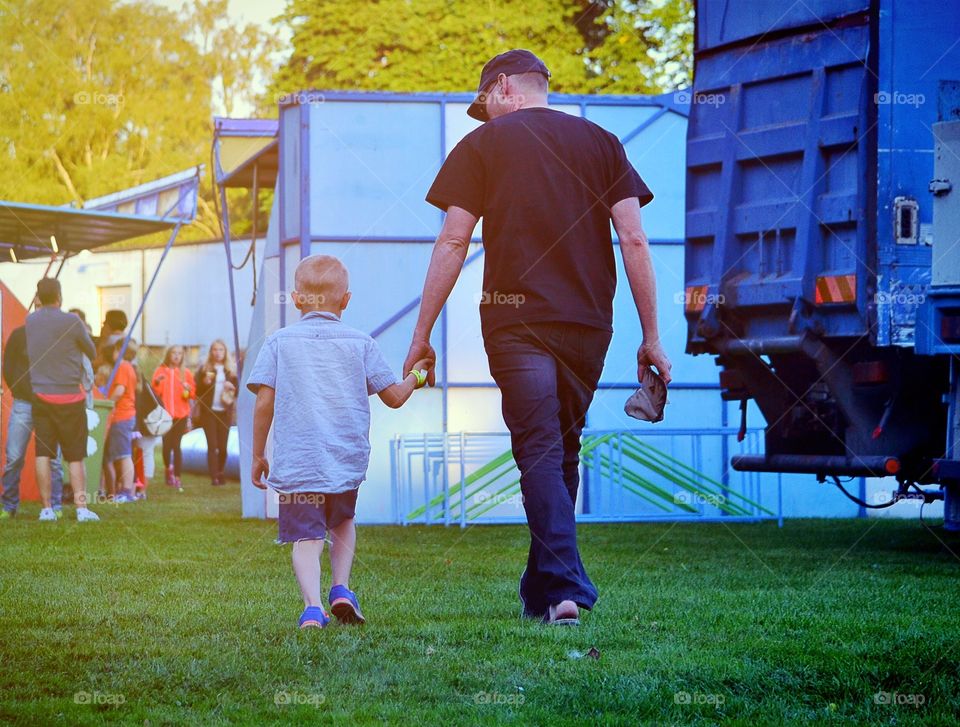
[[547, 374]]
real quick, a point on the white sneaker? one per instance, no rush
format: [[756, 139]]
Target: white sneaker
[[86, 516], [47, 514]]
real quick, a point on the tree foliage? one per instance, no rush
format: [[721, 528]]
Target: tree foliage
[[441, 45], [99, 95]]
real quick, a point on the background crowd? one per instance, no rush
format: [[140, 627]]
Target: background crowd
[[55, 369]]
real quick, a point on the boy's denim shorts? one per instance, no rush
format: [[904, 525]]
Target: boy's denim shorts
[[308, 515]]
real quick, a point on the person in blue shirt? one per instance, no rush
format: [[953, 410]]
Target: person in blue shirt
[[313, 380]]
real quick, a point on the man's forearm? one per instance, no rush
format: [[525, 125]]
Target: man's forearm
[[643, 283], [445, 265]]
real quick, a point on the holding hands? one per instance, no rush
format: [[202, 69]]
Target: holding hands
[[422, 356], [423, 370]]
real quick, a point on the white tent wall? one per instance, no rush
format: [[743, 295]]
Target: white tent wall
[[191, 299], [264, 320], [193, 280]]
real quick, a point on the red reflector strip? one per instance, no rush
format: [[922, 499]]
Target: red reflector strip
[[950, 327], [836, 289], [695, 298]]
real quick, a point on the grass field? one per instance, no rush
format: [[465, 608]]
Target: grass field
[[175, 611]]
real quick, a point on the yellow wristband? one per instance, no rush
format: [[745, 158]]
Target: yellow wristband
[[420, 376]]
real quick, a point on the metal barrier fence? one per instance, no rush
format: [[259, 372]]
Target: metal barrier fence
[[626, 476]]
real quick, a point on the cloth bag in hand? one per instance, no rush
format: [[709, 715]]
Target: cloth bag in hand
[[647, 402], [159, 420]]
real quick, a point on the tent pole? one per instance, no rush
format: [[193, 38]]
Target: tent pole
[[225, 216], [143, 302]]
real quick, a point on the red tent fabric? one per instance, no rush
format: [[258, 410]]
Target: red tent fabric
[[13, 315]]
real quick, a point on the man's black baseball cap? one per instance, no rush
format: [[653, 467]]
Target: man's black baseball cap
[[512, 62]]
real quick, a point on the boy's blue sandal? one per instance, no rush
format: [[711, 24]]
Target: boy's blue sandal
[[313, 617], [344, 605]]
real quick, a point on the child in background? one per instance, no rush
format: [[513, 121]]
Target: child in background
[[312, 380], [100, 379], [118, 452], [144, 442]]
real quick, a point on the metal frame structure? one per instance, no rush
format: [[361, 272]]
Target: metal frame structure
[[163, 204], [246, 176], [423, 493], [265, 166]]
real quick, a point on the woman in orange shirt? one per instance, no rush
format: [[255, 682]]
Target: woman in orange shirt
[[173, 383]]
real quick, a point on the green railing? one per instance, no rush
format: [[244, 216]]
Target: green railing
[[620, 459]]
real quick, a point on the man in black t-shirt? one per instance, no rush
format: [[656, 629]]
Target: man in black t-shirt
[[547, 185]]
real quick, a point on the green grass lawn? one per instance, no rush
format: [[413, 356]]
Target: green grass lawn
[[176, 611]]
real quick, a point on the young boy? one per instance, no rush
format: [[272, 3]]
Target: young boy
[[312, 380], [118, 453]]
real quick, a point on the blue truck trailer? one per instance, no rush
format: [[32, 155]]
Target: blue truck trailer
[[822, 240]]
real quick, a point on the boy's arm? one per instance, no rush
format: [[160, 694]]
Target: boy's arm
[[396, 395], [262, 419]]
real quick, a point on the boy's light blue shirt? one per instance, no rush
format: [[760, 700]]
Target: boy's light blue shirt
[[323, 372]]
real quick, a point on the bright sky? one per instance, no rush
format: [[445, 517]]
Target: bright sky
[[242, 12]]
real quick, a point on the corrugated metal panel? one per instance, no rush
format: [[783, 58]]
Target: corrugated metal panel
[[778, 188], [804, 147], [720, 22]]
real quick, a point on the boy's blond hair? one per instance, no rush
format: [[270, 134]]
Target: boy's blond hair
[[322, 280]]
